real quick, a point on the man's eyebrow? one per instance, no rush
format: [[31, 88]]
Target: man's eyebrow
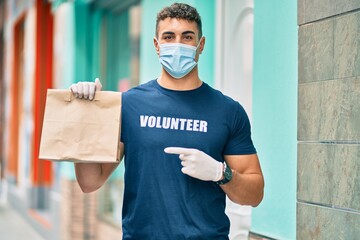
[[188, 32], [183, 33], [164, 33]]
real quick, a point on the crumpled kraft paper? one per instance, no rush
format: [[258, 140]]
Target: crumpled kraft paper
[[80, 130]]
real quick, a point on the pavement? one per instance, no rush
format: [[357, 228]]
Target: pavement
[[14, 227]]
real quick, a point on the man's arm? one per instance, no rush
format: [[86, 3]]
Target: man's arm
[[247, 184], [91, 176]]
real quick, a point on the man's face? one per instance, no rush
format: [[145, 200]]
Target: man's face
[[173, 30]]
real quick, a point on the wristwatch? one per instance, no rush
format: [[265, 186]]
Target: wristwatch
[[227, 175]]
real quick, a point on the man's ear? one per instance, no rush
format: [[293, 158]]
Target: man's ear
[[157, 47], [202, 44]]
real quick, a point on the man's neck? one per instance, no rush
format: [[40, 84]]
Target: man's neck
[[189, 82]]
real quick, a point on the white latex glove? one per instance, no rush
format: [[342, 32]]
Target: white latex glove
[[86, 90], [198, 164]]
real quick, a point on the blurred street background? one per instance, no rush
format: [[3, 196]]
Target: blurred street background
[[294, 65], [13, 226]]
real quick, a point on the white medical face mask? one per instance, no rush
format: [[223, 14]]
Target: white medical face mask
[[178, 59]]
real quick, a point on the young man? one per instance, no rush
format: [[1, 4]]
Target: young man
[[186, 145]]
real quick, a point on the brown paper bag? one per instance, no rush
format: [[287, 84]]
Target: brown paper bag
[[80, 130]]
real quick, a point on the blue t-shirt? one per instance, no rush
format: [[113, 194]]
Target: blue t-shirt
[[160, 202]]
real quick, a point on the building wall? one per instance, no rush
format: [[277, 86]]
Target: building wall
[[2, 89], [78, 213], [24, 88], [328, 199], [274, 115], [85, 37]]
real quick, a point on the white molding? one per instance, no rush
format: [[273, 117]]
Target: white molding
[[219, 51]]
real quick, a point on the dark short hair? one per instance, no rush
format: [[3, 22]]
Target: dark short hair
[[179, 11]]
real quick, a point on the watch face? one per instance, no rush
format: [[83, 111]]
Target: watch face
[[228, 173]]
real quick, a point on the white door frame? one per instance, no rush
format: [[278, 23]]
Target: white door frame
[[233, 76], [234, 50]]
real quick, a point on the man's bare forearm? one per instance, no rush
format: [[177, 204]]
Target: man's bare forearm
[[245, 189], [91, 176]]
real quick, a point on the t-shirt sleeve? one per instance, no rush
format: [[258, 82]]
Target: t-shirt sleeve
[[239, 141]]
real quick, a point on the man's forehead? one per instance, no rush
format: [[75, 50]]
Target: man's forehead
[[176, 25]]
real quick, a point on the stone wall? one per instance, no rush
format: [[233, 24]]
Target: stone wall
[[79, 216], [328, 194], [78, 213]]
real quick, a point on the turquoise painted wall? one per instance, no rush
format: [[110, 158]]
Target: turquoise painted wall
[[275, 115], [149, 62], [101, 45], [118, 49]]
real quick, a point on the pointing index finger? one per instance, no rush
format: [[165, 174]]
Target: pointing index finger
[[178, 150]]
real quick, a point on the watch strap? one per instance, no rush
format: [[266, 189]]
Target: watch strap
[[227, 175]]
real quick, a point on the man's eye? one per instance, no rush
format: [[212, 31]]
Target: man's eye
[[167, 37], [188, 37]]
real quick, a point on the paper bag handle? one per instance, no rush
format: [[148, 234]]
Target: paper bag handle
[[69, 96]]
